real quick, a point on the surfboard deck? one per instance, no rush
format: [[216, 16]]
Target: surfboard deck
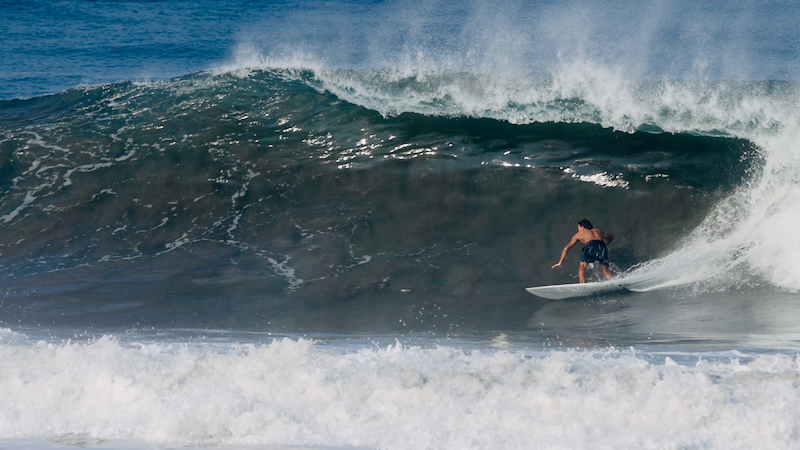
[[563, 291]]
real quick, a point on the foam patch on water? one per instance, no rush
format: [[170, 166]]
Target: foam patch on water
[[294, 392]]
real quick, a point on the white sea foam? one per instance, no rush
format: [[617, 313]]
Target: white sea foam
[[296, 392]]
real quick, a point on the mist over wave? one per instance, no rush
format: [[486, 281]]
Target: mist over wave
[[669, 70]]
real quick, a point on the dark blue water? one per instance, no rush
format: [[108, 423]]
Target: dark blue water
[[183, 182]]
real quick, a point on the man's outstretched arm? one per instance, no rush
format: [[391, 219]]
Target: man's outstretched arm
[[566, 250]]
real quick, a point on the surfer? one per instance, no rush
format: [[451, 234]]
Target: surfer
[[595, 250]]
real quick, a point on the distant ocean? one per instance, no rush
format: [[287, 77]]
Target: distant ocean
[[272, 225]]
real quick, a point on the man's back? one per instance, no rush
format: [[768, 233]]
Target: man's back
[[586, 235]]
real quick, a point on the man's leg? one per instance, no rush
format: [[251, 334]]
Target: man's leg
[[606, 272], [582, 271]]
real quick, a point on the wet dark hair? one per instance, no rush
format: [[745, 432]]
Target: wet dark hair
[[586, 224]]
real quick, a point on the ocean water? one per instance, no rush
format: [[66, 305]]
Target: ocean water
[[283, 225]]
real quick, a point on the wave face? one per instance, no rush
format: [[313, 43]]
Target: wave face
[[342, 177], [265, 194]]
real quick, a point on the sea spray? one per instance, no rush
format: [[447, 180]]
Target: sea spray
[[672, 70]]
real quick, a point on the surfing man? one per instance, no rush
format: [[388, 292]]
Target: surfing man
[[595, 250]]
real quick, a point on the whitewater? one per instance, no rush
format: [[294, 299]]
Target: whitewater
[[275, 226], [293, 392]]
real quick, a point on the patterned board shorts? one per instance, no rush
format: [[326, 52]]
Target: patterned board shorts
[[595, 251]]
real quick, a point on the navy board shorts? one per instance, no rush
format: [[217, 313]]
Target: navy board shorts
[[595, 251]]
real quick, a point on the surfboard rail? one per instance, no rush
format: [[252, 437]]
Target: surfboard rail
[[564, 291]]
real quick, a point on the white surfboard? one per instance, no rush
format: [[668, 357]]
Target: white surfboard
[[562, 291]]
